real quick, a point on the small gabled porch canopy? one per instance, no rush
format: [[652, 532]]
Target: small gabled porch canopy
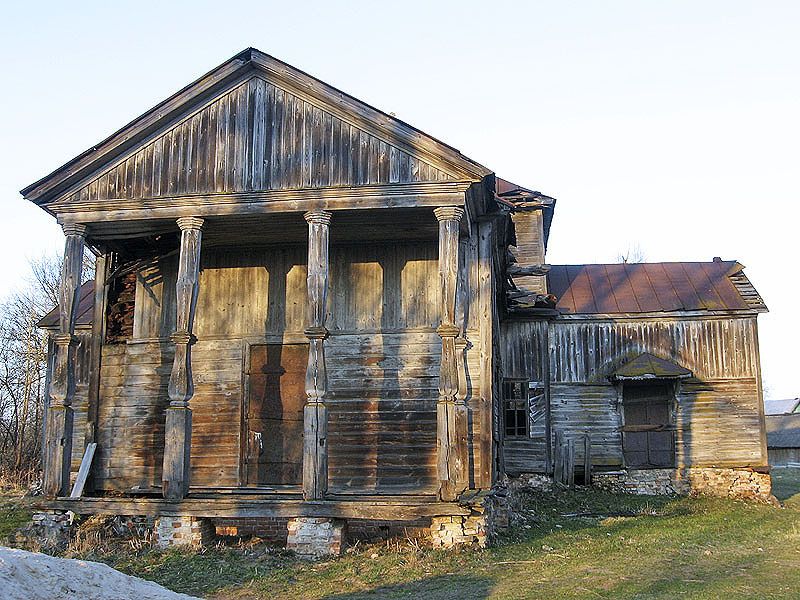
[[647, 367]]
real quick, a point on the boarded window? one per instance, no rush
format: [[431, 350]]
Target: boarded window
[[648, 435]]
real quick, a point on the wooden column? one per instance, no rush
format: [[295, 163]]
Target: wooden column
[[451, 409], [58, 428], [315, 413], [178, 425]]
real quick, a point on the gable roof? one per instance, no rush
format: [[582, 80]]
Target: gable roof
[[647, 366], [653, 287], [124, 158]]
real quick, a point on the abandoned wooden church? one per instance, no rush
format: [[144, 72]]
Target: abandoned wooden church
[[309, 317]]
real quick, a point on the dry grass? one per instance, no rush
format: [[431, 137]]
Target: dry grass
[[572, 544]]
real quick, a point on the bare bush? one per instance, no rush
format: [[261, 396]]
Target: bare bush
[[23, 367]]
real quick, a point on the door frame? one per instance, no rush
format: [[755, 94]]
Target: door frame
[[672, 406], [247, 344]]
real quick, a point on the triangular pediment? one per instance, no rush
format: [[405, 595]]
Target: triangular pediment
[[267, 128]]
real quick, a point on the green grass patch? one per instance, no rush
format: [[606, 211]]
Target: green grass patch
[[14, 512], [786, 485]]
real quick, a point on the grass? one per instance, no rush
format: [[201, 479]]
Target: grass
[[14, 510], [574, 544]]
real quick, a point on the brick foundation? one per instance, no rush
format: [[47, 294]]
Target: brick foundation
[[183, 531], [315, 537], [270, 529], [696, 481], [371, 531]]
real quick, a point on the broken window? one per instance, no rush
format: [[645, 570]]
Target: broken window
[[523, 407]]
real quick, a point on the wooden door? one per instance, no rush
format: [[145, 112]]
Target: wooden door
[[648, 436], [274, 416]]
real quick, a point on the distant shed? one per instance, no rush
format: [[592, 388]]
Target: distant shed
[[783, 440]]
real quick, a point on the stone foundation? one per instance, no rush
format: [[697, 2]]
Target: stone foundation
[[695, 481], [183, 531], [49, 529], [315, 537], [490, 512]]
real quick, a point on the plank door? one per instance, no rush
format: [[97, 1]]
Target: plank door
[[274, 415], [648, 435]]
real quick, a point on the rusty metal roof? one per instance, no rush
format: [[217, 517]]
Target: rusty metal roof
[[653, 287], [85, 307]]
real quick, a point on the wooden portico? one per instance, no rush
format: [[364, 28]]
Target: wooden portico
[[313, 315]]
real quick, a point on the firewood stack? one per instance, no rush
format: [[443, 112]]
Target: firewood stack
[[119, 326]]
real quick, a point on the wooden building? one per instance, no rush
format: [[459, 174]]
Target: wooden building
[[783, 440], [306, 309]]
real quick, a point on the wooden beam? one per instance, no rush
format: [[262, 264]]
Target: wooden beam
[[98, 336], [58, 429], [410, 195], [451, 408], [83, 472], [391, 510], [486, 295], [315, 413], [178, 424]]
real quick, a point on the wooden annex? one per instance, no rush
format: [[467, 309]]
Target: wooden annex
[[306, 309]]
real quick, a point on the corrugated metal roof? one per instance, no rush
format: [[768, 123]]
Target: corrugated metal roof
[[85, 308], [783, 431], [652, 287]]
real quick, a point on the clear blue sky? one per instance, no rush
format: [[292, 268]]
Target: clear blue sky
[[671, 125]]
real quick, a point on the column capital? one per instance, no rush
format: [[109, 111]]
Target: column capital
[[182, 337], [64, 340], [322, 217], [449, 213], [190, 223], [78, 229], [448, 331]]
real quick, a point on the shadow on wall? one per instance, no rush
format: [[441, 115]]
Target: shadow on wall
[[441, 587]]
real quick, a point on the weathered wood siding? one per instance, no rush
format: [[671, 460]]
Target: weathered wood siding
[[525, 356], [529, 249], [718, 423], [588, 351], [717, 412], [133, 398], [382, 356], [256, 137]]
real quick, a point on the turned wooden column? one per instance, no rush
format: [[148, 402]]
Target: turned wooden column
[[178, 424], [58, 427], [451, 409], [315, 413]]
